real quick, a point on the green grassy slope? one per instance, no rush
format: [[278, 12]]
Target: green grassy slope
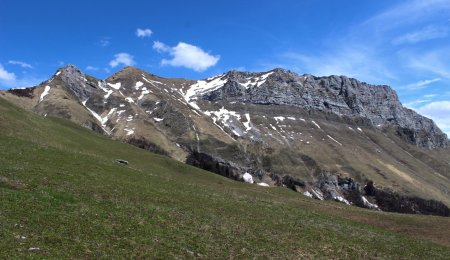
[[62, 196]]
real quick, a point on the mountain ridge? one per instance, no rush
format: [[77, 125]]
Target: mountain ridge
[[315, 135]]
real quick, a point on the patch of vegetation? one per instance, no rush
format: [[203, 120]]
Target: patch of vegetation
[[62, 196]]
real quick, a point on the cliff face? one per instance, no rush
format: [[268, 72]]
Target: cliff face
[[340, 95]]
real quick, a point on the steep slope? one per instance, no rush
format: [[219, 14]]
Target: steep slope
[[62, 196], [323, 136]]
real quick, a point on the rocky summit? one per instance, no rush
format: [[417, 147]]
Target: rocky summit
[[326, 137]]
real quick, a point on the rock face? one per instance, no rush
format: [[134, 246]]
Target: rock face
[[320, 136], [340, 95]]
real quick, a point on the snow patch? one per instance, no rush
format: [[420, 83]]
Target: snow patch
[[291, 118], [308, 194], [158, 119], [143, 93], [129, 131], [279, 118], [258, 81], [195, 111], [248, 178], [223, 115], [194, 105], [318, 126], [317, 193], [115, 86], [341, 199], [334, 140], [45, 93], [130, 100], [102, 120], [204, 86], [57, 73], [359, 129], [138, 85], [235, 132], [109, 92], [263, 184], [247, 124], [369, 205], [102, 85]]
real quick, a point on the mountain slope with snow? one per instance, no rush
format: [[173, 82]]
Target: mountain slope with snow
[[322, 136]]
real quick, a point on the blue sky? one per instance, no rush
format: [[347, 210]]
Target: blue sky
[[404, 44]]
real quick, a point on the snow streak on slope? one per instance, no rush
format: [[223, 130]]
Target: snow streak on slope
[[204, 86], [115, 86], [45, 93]]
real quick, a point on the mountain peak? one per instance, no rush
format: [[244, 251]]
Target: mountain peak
[[69, 71], [131, 69]]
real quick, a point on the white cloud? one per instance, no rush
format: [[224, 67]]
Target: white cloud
[[122, 58], [406, 13], [91, 68], [20, 63], [142, 33], [421, 84], [427, 33], [186, 55], [434, 61], [349, 60], [366, 52], [9, 79], [160, 47], [413, 104], [6, 76], [439, 111]]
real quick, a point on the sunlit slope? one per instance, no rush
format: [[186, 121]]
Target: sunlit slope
[[62, 195]]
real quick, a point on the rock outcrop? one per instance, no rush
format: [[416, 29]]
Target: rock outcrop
[[340, 95]]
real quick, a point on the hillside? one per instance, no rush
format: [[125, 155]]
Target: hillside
[[325, 137], [64, 197]]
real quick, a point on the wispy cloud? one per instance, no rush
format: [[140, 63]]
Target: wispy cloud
[[428, 33], [91, 68], [415, 103], [406, 13], [351, 60], [421, 84], [439, 111], [104, 41], [434, 61], [142, 33], [21, 63], [186, 55], [122, 58], [366, 51]]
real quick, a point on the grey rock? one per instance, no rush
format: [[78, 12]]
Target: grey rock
[[340, 95], [121, 161]]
